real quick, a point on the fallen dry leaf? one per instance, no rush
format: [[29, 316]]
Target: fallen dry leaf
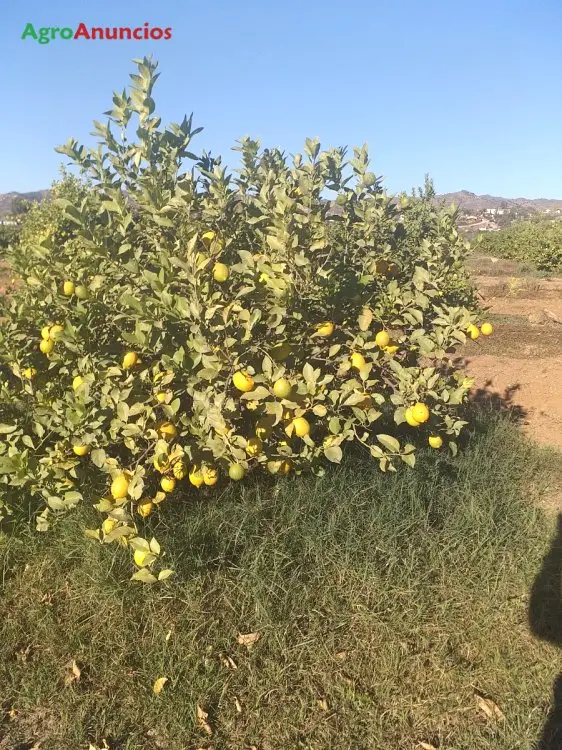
[[489, 708], [168, 635], [202, 717], [238, 705], [73, 673], [427, 746], [341, 655], [248, 639], [159, 685], [323, 704]]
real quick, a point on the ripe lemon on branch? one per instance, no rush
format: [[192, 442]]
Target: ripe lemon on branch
[[420, 412], [46, 346], [243, 381], [357, 360], [301, 426], [130, 360], [119, 487], [325, 329], [282, 388], [382, 339], [196, 476], [473, 332], [220, 272]]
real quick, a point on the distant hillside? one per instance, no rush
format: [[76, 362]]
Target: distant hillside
[[7, 199], [474, 204], [469, 202]]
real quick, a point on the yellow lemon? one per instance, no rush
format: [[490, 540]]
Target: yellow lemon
[[68, 288], [435, 441], [243, 381], [45, 332], [196, 476], [254, 446], [208, 237], [382, 339], [29, 373], [77, 382], [302, 427], [81, 450], [410, 418], [161, 397], [130, 360], [81, 292], [420, 412], [46, 346], [139, 557], [210, 476], [179, 469], [281, 352], [56, 331], [282, 388], [236, 472], [145, 509], [220, 272], [168, 430], [357, 360], [473, 332], [108, 525], [168, 484], [486, 329], [119, 487], [325, 329]]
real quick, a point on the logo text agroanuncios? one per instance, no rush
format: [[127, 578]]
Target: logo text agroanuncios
[[47, 34]]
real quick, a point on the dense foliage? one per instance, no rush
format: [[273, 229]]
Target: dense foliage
[[538, 243], [177, 327]]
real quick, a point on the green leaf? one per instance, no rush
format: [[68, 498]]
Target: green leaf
[[365, 319], [143, 575], [389, 442], [409, 458], [258, 394], [333, 453]]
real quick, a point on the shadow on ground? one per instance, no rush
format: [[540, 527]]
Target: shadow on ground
[[500, 402], [545, 619]]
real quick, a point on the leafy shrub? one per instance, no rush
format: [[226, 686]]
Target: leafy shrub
[[536, 242], [209, 324]]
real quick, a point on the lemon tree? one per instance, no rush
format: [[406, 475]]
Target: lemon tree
[[201, 324]]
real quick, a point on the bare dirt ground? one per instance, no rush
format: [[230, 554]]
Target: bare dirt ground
[[519, 367]]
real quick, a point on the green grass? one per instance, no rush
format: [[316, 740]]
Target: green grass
[[382, 602]]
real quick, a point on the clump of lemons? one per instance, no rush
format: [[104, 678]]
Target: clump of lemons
[[417, 414]]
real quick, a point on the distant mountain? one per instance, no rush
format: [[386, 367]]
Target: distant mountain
[[472, 204], [7, 200]]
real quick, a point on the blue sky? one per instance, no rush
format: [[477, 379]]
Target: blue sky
[[469, 92]]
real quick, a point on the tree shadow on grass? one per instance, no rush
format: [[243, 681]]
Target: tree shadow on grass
[[545, 619]]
